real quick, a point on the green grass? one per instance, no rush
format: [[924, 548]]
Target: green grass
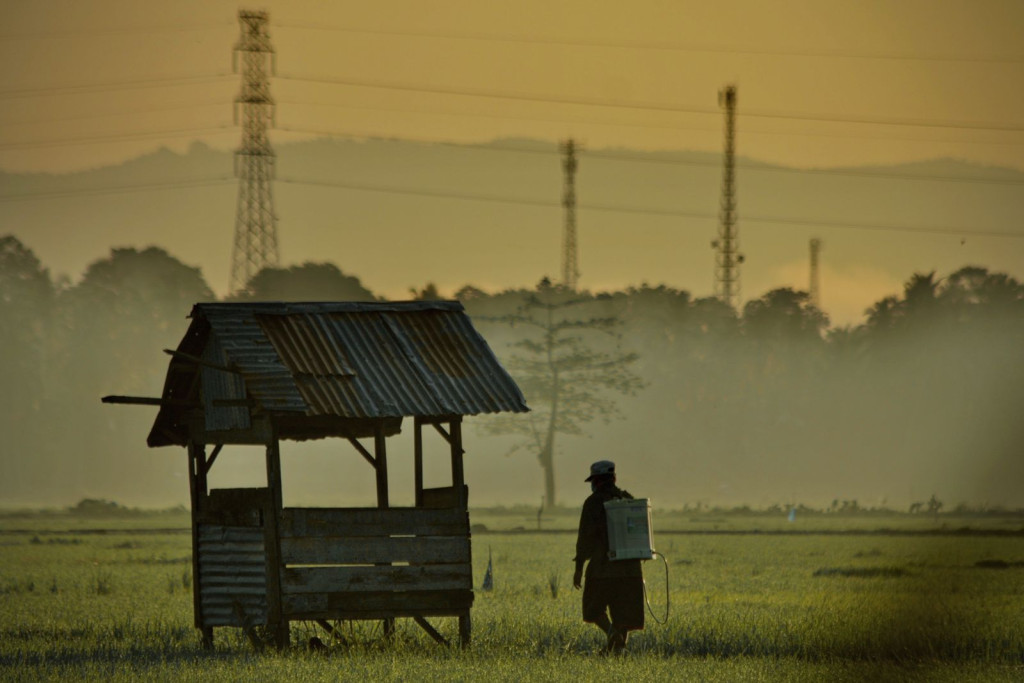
[[80, 605]]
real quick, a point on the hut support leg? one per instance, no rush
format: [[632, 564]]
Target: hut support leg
[[380, 452], [276, 619], [431, 631], [335, 633], [206, 637], [464, 630]]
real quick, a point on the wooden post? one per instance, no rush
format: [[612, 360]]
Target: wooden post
[[381, 456], [197, 467], [380, 453], [465, 630], [458, 475], [275, 614], [418, 461], [459, 484]]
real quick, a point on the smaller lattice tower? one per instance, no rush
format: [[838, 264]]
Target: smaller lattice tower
[[255, 244], [570, 256], [727, 256], [815, 288]]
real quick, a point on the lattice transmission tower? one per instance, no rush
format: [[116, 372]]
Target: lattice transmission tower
[[727, 255], [255, 245], [815, 288], [570, 256]]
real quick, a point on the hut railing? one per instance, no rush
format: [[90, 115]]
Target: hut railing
[[368, 563]]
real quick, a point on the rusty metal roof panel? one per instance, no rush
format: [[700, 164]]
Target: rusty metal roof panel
[[364, 360]]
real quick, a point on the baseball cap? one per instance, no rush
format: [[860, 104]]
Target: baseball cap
[[601, 468]]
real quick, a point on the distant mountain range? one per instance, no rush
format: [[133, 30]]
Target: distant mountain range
[[398, 214]]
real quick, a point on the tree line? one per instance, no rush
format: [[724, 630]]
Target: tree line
[[766, 400]]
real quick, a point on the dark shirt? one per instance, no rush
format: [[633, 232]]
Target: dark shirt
[[592, 539]]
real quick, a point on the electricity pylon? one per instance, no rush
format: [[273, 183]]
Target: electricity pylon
[[727, 256], [815, 288], [570, 257], [255, 244]]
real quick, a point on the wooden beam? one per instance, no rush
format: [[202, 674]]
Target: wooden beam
[[362, 451], [431, 631], [235, 403], [335, 633], [440, 430], [417, 462], [448, 437], [213, 456], [458, 475], [380, 449], [146, 401], [199, 361]]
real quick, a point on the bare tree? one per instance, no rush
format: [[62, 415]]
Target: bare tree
[[568, 365]]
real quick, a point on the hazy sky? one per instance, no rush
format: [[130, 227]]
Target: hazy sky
[[821, 84]]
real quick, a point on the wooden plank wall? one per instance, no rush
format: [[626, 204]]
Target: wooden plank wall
[[367, 563]]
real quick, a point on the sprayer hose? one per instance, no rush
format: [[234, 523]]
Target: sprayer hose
[[647, 598]]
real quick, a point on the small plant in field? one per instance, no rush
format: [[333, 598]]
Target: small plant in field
[[102, 583], [54, 588], [172, 585], [186, 579], [553, 582]]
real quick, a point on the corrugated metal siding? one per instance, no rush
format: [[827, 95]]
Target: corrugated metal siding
[[218, 384], [232, 575]]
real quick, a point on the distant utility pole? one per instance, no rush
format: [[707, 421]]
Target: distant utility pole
[[727, 256], [570, 258], [255, 222], [815, 288]]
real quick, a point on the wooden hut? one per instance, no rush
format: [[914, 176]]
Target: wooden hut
[[260, 373]]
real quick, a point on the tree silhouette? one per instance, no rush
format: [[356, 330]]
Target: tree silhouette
[[567, 366], [784, 314], [26, 306], [307, 282]]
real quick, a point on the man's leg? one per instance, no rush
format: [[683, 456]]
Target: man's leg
[[595, 608]]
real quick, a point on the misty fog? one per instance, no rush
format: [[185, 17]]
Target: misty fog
[[767, 406]]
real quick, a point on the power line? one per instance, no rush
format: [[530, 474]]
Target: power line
[[673, 213], [662, 47], [137, 84], [71, 142], [117, 189], [133, 31], [763, 168], [132, 112], [651, 106], [648, 126], [754, 167], [517, 201]]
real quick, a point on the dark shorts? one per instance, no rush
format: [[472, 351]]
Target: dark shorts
[[623, 599]]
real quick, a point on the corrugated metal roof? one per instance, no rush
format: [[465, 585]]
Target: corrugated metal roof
[[351, 360]]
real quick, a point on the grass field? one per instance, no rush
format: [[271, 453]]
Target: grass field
[[110, 599]]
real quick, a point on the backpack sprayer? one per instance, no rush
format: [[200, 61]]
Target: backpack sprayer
[[630, 538]]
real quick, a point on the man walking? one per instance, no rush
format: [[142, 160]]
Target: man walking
[[613, 595]]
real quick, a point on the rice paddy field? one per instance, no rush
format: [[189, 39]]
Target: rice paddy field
[[749, 599]]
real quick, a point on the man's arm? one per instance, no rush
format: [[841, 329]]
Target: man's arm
[[585, 540]]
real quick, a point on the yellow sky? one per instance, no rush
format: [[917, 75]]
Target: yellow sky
[[647, 70], [821, 84]]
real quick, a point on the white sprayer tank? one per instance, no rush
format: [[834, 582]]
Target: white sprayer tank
[[629, 529]]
